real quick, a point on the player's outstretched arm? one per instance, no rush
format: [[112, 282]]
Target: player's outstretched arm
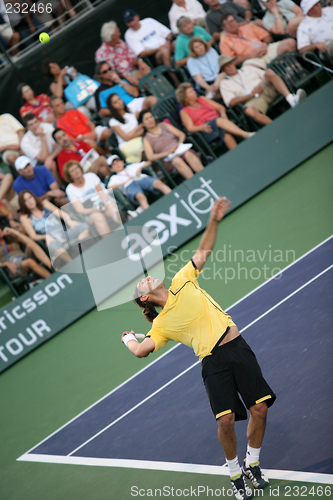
[[140, 350], [209, 236]]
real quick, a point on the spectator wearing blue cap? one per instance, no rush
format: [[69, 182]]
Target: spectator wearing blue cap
[[148, 38]]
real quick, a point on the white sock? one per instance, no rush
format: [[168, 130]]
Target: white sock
[[290, 98], [252, 455], [233, 466]]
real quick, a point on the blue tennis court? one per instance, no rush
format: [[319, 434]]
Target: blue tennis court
[[161, 418]]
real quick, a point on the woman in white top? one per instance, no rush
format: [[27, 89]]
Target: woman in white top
[[127, 129], [203, 65], [90, 198]]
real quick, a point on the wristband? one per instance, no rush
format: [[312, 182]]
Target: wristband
[[128, 337]]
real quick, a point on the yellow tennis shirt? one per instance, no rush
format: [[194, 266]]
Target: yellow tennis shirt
[[190, 315]]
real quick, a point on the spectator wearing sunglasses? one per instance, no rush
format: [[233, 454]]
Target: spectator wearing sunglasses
[[111, 83]]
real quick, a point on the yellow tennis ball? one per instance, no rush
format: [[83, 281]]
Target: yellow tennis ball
[[44, 37]]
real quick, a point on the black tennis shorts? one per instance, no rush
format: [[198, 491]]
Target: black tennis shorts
[[233, 369]]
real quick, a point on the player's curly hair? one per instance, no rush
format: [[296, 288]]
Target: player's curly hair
[[148, 308]]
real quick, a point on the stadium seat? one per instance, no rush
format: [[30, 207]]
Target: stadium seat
[[168, 107], [322, 60], [16, 285], [155, 83], [112, 144], [294, 71]]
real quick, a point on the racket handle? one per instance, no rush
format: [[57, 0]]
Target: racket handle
[[139, 335]]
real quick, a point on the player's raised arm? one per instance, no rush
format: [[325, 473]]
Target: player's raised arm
[[209, 236], [140, 350]]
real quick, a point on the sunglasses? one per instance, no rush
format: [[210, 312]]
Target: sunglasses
[[105, 71]]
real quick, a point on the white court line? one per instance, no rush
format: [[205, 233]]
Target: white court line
[[217, 470], [101, 399], [134, 408], [192, 366], [200, 469], [280, 272], [29, 457], [286, 298], [174, 347]]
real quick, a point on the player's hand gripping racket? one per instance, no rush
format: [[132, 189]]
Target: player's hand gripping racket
[[138, 336]]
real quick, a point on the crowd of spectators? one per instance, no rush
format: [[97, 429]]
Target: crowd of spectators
[[60, 155]]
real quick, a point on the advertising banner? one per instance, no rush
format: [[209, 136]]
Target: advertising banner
[[41, 313]]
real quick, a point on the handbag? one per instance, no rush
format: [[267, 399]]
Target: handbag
[[79, 91]]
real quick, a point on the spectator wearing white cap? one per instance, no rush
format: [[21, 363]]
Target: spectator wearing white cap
[[316, 30], [282, 17], [39, 181], [255, 88], [132, 182]]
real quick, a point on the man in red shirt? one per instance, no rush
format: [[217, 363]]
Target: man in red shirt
[[78, 126], [76, 150]]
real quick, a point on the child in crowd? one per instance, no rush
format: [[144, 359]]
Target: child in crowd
[[132, 182]]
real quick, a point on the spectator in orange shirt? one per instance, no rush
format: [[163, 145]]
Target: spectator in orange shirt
[[78, 126], [251, 44]]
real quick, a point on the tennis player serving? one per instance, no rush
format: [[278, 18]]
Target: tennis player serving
[[190, 316]]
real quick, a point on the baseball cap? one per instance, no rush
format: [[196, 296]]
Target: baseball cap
[[129, 14], [111, 159], [223, 60], [21, 162], [306, 5]]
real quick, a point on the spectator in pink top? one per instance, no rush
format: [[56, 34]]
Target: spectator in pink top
[[200, 114], [119, 56]]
